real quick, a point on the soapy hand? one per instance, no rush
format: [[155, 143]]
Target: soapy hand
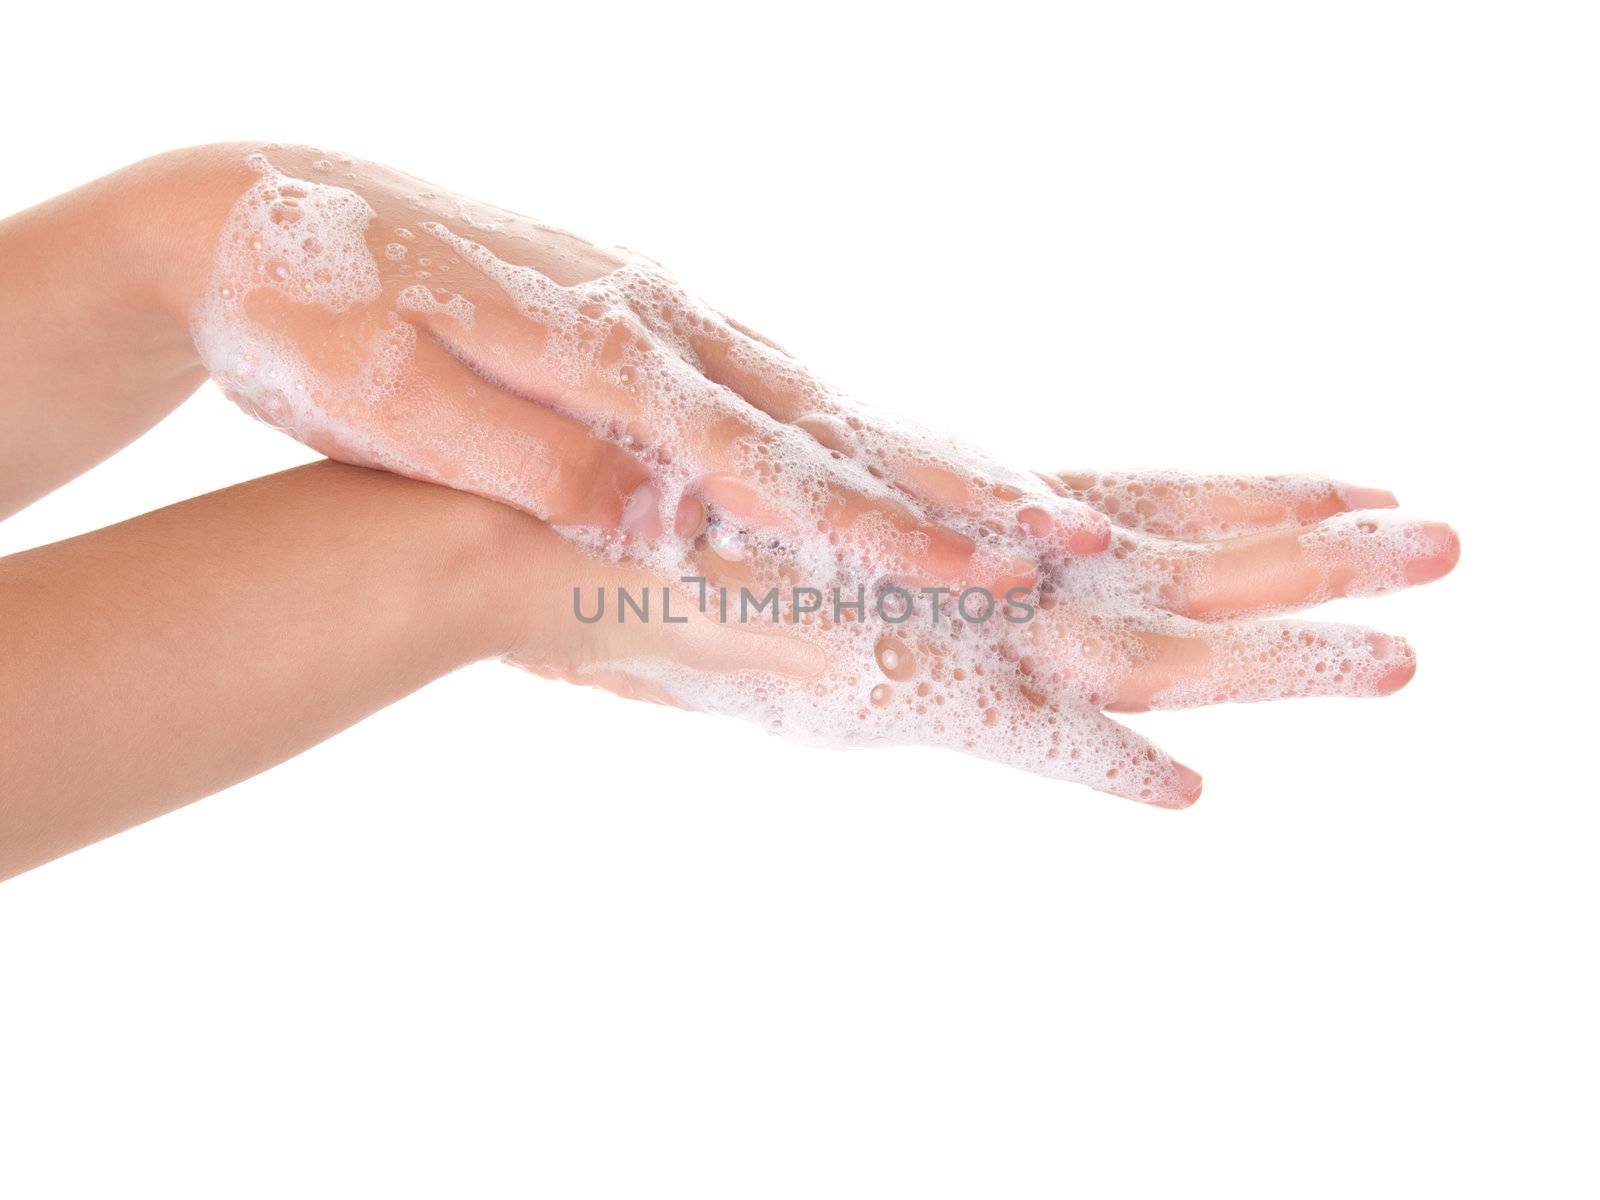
[[388, 323], [1159, 622]]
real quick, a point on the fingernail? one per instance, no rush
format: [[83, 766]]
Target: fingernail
[[639, 514], [1441, 551], [1397, 677], [1188, 785], [1365, 497]]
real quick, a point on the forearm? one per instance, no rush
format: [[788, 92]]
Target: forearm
[[148, 664], [94, 330]]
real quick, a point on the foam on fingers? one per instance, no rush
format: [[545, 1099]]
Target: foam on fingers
[[1272, 660], [1207, 508]]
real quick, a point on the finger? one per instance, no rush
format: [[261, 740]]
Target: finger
[[1261, 660], [1081, 745], [757, 371], [540, 340], [770, 476], [1354, 554], [753, 335], [1204, 508], [455, 428], [384, 393], [767, 476], [1037, 720], [595, 357], [735, 454], [931, 469]]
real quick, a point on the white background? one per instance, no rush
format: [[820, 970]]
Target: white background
[[511, 937]]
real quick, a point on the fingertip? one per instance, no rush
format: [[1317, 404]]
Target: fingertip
[[1187, 789], [1442, 552], [1365, 497], [1397, 677], [1384, 648]]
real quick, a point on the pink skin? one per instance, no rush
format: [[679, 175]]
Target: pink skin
[[1439, 563], [1159, 623], [584, 386], [576, 382]]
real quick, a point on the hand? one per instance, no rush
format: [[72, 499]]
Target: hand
[[1156, 623], [390, 324]]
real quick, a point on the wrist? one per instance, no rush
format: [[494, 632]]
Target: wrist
[[528, 607], [165, 215], [497, 565]]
